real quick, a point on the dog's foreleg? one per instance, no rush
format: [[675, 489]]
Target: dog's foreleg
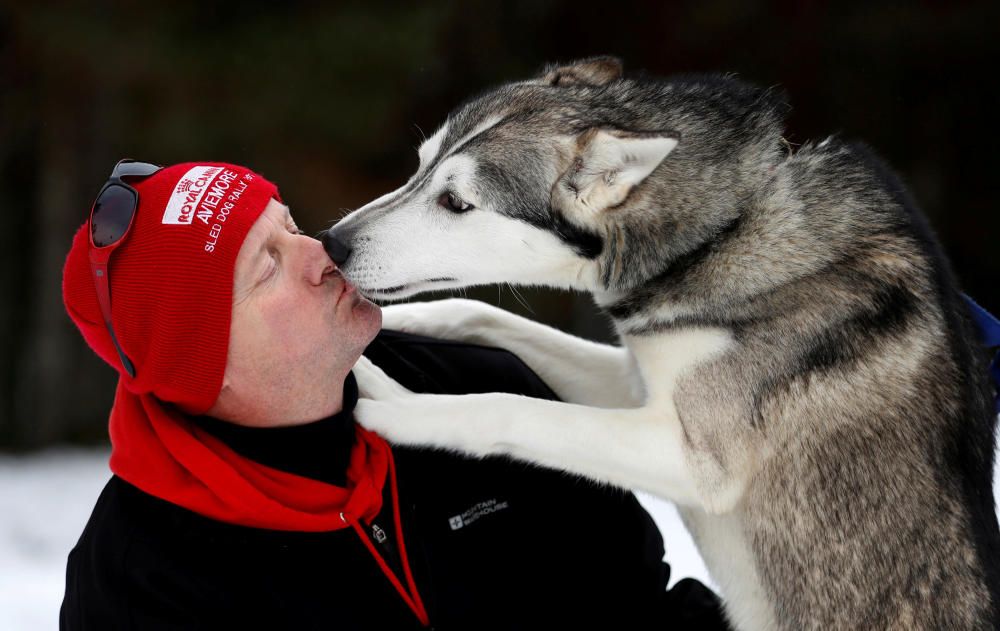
[[577, 370], [636, 448]]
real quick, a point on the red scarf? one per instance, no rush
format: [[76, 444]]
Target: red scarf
[[158, 449]]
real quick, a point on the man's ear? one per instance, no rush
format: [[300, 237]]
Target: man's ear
[[594, 71], [610, 163]]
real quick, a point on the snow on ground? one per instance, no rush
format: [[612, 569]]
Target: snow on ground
[[45, 500]]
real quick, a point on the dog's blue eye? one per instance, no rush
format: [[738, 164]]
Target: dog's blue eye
[[453, 203]]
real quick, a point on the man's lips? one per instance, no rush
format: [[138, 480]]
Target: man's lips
[[346, 288]]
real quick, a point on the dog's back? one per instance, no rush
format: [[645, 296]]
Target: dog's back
[[856, 398]]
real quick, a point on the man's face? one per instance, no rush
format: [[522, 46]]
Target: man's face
[[298, 327]]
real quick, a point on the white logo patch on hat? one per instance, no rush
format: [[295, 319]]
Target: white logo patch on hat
[[187, 195]]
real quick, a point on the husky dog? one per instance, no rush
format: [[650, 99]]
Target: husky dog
[[798, 372]]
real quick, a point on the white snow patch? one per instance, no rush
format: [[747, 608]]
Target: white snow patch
[[45, 501]]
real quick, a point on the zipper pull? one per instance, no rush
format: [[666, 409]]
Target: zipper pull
[[386, 544]]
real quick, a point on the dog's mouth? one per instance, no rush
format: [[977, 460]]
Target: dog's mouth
[[398, 292]]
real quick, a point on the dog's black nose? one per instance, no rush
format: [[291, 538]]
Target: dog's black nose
[[335, 248]]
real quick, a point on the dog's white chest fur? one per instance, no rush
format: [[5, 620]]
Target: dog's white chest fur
[[664, 358]]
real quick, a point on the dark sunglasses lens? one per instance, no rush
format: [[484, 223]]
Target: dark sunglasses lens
[[112, 215], [130, 168]]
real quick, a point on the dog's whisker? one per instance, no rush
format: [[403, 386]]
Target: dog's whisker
[[521, 299]]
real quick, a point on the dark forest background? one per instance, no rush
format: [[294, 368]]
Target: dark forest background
[[330, 100]]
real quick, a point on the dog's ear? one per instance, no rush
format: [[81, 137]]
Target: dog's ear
[[595, 71], [608, 165]]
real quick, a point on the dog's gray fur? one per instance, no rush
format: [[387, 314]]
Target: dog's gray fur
[[854, 402]]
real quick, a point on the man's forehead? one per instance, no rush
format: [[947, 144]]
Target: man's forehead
[[278, 209], [275, 213]]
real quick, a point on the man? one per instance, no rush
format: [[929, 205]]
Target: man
[[245, 496]]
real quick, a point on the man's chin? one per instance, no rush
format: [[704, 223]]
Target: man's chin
[[370, 314]]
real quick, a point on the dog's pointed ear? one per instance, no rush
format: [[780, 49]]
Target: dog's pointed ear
[[609, 164], [594, 71]]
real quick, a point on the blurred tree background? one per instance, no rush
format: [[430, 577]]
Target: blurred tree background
[[329, 100]]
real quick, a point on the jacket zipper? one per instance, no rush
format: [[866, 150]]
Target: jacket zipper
[[409, 594], [386, 546]]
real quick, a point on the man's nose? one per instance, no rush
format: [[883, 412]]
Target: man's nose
[[335, 248]]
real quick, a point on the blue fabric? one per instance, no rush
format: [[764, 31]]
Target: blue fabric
[[989, 327]]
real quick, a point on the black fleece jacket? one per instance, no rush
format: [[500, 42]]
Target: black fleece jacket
[[493, 544]]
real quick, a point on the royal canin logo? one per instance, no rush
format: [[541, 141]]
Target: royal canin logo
[[188, 193]]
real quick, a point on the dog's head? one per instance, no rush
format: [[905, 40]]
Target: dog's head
[[551, 182]]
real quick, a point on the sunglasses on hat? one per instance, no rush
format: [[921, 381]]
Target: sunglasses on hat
[[110, 220]]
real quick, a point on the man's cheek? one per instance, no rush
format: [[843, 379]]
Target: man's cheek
[[273, 328]]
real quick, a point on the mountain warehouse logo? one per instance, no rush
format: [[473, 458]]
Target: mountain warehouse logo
[[481, 509], [183, 202]]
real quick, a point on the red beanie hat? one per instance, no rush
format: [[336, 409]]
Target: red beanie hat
[[171, 280]]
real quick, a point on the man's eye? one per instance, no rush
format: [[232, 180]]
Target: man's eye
[[271, 254], [454, 203]]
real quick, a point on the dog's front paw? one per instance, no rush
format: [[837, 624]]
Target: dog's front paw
[[388, 419], [416, 421], [373, 383], [384, 406]]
